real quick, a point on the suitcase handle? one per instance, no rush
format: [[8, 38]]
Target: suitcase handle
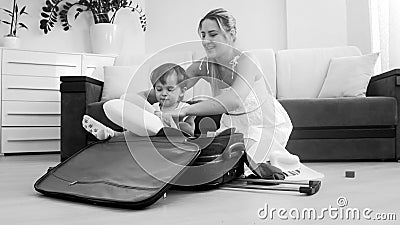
[[232, 149]]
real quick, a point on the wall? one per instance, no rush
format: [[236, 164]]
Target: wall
[[261, 24], [325, 23], [316, 23], [358, 25], [276, 24]]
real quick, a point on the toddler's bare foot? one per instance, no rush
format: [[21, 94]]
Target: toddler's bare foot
[[96, 128]]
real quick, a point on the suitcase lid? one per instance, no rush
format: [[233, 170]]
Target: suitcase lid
[[107, 173]]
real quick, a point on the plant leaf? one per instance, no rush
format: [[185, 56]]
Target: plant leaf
[[43, 24], [77, 14], [53, 18], [49, 15], [45, 15], [46, 9], [23, 11], [7, 11], [21, 25]]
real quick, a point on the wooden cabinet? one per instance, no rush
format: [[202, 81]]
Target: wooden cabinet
[[30, 96]]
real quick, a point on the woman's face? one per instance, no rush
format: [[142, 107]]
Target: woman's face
[[215, 41]]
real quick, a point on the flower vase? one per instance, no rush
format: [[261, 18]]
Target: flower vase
[[103, 38], [11, 42]]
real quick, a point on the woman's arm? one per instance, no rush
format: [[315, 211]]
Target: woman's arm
[[194, 75], [246, 72]]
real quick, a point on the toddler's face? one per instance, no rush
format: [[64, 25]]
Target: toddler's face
[[168, 94]]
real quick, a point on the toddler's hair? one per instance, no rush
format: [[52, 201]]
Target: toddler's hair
[[161, 73]]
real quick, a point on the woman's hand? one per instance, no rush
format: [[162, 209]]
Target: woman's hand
[[165, 119], [172, 118]]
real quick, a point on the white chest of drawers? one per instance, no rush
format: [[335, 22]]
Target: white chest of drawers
[[30, 97]]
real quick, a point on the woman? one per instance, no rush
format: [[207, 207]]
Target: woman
[[240, 93]]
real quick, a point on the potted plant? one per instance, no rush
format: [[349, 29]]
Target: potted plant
[[103, 30], [11, 40]]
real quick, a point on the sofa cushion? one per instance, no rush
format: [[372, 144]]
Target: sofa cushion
[[341, 112], [133, 75], [116, 81], [348, 76], [301, 72]]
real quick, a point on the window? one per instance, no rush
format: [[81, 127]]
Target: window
[[385, 29]]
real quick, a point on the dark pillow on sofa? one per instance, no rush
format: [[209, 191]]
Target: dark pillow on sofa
[[96, 111]]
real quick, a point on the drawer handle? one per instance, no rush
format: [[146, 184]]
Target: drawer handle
[[32, 139], [29, 88], [41, 64], [33, 113], [91, 67]]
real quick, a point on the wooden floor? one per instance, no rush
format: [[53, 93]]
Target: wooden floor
[[376, 186]]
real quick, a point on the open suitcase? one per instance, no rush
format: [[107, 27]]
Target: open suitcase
[[107, 173]]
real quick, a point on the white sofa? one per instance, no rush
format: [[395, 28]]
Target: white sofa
[[299, 73], [337, 128]]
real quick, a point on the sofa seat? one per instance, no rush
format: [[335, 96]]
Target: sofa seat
[[342, 112], [342, 129]]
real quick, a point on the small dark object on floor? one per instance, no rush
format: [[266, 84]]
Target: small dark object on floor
[[350, 174]]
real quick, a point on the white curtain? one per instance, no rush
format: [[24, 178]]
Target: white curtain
[[385, 28]]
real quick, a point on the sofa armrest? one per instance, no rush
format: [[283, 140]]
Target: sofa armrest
[[76, 93], [385, 84], [388, 84]]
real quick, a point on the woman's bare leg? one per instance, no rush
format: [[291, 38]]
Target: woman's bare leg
[[249, 143], [272, 147]]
